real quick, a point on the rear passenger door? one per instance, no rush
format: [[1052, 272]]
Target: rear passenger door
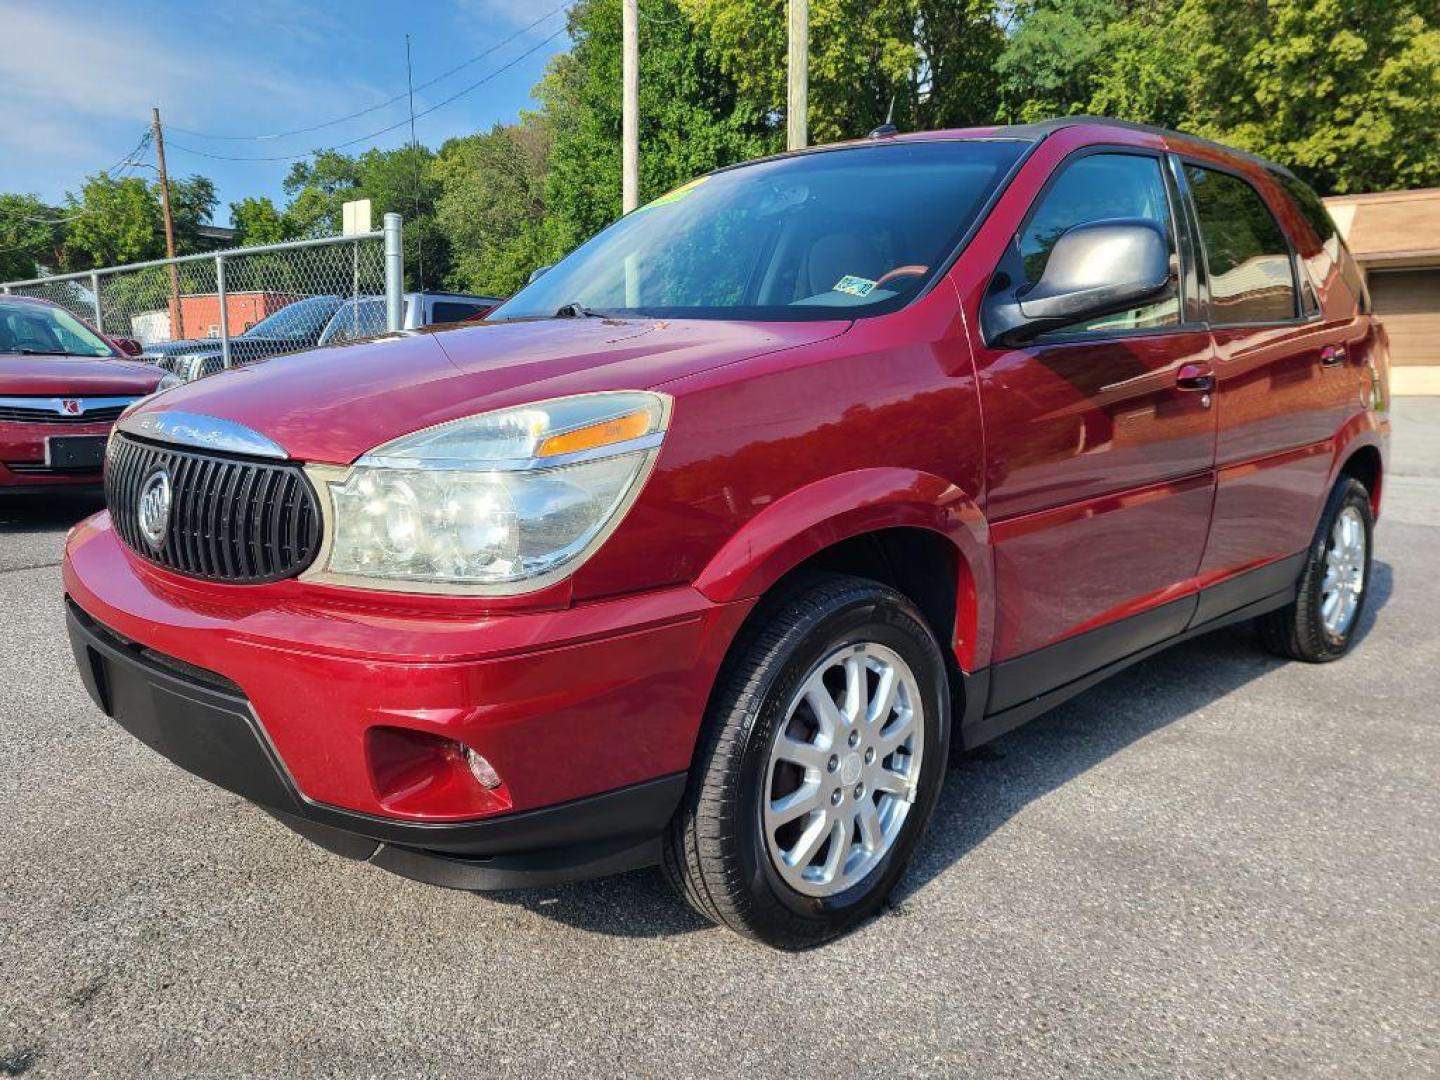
[[1100, 450], [1284, 380]]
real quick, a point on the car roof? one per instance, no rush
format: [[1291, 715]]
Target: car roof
[[1177, 141]]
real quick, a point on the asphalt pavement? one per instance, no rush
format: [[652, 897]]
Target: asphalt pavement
[[1216, 864]]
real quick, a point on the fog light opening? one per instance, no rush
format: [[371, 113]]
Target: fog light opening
[[482, 770]]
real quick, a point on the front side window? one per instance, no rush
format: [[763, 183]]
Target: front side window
[[1252, 278], [39, 329], [1101, 187], [824, 235]]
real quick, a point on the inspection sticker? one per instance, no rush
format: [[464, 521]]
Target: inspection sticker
[[855, 286], [676, 195]]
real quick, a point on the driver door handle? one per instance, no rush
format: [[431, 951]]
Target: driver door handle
[[1332, 355], [1199, 377]]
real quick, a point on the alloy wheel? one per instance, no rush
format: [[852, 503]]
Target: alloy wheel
[[843, 770], [1344, 580]]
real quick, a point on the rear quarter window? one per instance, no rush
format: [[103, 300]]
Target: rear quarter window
[[1333, 249]]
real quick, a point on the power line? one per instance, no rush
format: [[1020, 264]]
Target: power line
[[115, 170], [410, 92], [385, 130]]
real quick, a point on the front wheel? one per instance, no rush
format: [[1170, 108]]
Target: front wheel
[[823, 755], [1334, 583]]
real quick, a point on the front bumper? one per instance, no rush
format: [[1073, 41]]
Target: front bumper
[[589, 713], [23, 468], [202, 722]]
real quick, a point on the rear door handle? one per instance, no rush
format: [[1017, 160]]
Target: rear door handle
[[1332, 355], [1196, 377]]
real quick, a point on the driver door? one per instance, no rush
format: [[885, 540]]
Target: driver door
[[1100, 443]]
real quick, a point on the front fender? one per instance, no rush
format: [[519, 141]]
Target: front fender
[[819, 515]]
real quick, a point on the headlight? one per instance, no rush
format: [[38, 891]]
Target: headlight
[[504, 502], [169, 382]]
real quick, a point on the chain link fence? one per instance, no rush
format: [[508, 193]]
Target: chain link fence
[[197, 314]]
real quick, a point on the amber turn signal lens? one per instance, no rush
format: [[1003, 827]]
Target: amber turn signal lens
[[605, 433]]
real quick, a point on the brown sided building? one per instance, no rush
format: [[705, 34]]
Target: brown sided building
[[1395, 236]]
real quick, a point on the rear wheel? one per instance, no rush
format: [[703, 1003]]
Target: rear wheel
[[1320, 625], [824, 752]]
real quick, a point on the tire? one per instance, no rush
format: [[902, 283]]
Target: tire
[[1300, 631], [720, 851]]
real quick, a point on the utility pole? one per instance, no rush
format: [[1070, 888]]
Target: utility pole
[[630, 106], [797, 99], [177, 317]]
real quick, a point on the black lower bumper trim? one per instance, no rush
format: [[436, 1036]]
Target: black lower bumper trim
[[202, 722]]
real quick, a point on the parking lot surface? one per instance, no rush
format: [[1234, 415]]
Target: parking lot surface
[[1216, 864]]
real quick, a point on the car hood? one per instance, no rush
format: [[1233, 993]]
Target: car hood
[[335, 403], [74, 376]]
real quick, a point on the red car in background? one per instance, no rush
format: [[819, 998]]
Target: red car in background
[[62, 387], [707, 546]]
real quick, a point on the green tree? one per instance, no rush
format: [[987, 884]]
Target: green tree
[[192, 204], [491, 208], [1053, 58], [1346, 92], [30, 236], [692, 117], [112, 221], [258, 221], [395, 181], [933, 59]]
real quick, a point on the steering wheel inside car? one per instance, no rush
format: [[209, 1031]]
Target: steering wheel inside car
[[913, 270]]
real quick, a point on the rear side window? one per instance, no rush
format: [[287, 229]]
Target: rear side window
[[445, 311], [1332, 245], [1099, 187], [1252, 277]]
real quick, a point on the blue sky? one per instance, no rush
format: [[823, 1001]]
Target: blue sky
[[80, 78]]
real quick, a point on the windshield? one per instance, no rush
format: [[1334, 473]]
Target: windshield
[[356, 319], [300, 321], [855, 231], [42, 329]]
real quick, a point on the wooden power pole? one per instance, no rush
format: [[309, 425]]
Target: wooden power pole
[[797, 100], [177, 316], [630, 106]]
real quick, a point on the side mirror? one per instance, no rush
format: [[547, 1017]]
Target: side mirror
[[128, 345], [1095, 269], [537, 274]]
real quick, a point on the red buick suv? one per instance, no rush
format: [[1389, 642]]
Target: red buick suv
[[708, 546], [62, 385]]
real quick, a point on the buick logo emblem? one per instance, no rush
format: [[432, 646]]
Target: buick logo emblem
[[153, 513]]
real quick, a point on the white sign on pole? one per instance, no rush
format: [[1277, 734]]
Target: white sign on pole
[[355, 217]]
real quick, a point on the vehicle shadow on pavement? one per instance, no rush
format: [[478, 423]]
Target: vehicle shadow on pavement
[[986, 787], [47, 513]]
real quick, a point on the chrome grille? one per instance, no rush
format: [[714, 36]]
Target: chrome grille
[[231, 518], [25, 415]]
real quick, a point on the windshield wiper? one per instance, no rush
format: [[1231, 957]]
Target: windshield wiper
[[577, 310]]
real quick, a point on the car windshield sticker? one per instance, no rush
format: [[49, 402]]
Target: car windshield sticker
[[676, 195], [855, 286]]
